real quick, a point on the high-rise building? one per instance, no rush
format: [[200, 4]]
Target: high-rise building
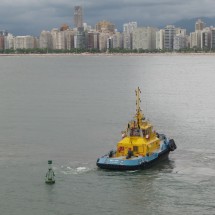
[[103, 41], [213, 38], [117, 40], [128, 29], [24, 42], [199, 25], [109, 43], [9, 41], [195, 39], [169, 33], [45, 40], [206, 38], [54, 34], [160, 39], [180, 39], [127, 40], [78, 17], [179, 42], [1, 42], [61, 40], [69, 39], [93, 40], [80, 39], [144, 38]]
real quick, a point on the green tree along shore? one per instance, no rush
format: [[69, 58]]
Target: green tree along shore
[[95, 51]]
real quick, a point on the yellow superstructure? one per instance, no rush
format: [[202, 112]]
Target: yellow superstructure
[[139, 137]]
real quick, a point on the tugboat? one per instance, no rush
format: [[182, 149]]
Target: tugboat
[[140, 146]]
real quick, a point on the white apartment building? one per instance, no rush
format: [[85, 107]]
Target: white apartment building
[[69, 36], [206, 38], [127, 40], [180, 42], [45, 40], [64, 40], [144, 38], [54, 34], [61, 40], [171, 38], [169, 33], [117, 40], [103, 41], [24, 42], [159, 39], [195, 39], [58, 39], [213, 38], [128, 29], [9, 41]]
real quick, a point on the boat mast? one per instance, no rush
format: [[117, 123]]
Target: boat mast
[[139, 115]]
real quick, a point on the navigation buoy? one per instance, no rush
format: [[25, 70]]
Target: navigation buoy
[[50, 176]]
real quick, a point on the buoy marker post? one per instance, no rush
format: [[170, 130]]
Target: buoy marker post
[[50, 176]]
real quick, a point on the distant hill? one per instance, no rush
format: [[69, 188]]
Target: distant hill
[[189, 24]]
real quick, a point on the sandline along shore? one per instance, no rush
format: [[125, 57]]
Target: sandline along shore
[[111, 54]]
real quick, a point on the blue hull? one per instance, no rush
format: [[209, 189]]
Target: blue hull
[[136, 164]]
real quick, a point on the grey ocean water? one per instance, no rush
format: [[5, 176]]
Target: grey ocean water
[[71, 109]]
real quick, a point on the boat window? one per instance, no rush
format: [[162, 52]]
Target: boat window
[[135, 148], [135, 132]]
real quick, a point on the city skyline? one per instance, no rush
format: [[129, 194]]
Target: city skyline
[[22, 17]]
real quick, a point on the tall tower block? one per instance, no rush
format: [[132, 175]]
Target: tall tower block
[[78, 17]]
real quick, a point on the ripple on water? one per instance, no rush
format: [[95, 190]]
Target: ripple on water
[[74, 169]]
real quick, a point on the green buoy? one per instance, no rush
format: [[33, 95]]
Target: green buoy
[[50, 176]]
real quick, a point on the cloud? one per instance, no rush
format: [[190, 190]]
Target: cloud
[[23, 17]]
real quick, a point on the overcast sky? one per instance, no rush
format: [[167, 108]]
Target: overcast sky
[[30, 17]]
